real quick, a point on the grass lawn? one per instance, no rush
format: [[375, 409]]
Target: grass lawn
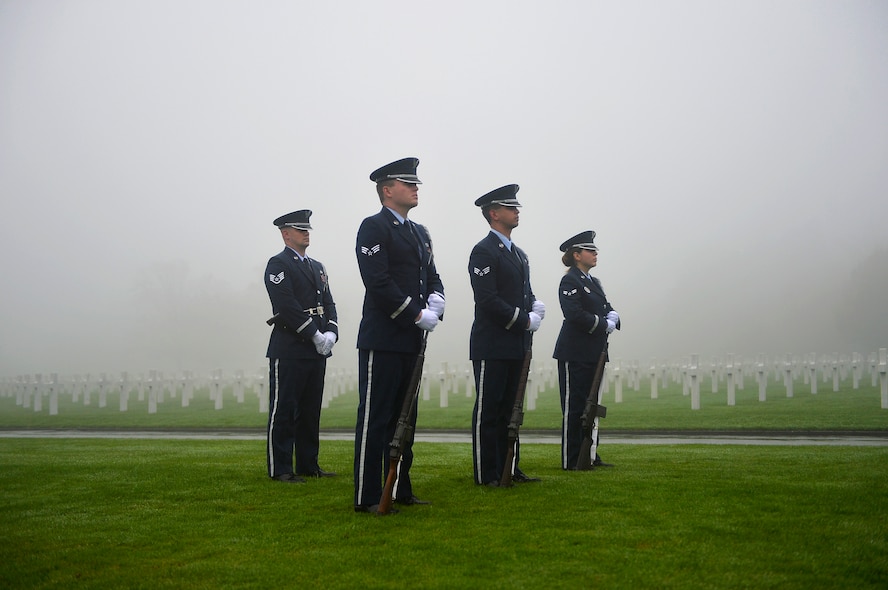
[[104, 513]]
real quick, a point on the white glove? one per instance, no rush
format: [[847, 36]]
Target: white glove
[[320, 342], [539, 308], [427, 321], [611, 325], [329, 341], [613, 316], [436, 303], [535, 320]]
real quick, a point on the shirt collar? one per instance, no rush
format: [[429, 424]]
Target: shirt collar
[[397, 215], [506, 241], [298, 255]]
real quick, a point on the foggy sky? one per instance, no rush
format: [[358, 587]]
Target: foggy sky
[[730, 155]]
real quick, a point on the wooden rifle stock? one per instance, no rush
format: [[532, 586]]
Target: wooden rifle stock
[[403, 431], [516, 420], [591, 413]]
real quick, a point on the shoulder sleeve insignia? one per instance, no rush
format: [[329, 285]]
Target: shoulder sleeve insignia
[[569, 293], [276, 279], [481, 271], [370, 251]]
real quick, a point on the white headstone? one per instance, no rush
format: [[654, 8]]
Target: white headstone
[[729, 377], [53, 386], [123, 389], [883, 375], [762, 376], [654, 378], [618, 383], [443, 389]]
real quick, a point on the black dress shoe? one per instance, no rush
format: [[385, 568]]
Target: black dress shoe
[[288, 478], [319, 473], [600, 463], [374, 509], [412, 500], [492, 484], [521, 477]]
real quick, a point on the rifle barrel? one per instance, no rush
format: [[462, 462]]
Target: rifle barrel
[[517, 419], [404, 430], [584, 460]]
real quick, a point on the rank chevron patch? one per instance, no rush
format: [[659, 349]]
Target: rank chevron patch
[[370, 251], [276, 279], [481, 271]]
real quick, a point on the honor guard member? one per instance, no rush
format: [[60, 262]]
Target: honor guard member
[[506, 314], [404, 298], [304, 333], [588, 320]]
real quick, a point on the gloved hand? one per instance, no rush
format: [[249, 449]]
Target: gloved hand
[[329, 341], [320, 342], [436, 303], [611, 325], [613, 316], [534, 323], [427, 321], [539, 308]]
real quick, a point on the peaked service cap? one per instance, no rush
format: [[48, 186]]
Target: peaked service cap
[[582, 240], [504, 195], [403, 170], [296, 219]]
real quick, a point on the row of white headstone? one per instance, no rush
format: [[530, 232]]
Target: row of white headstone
[[39, 390], [35, 391], [30, 391], [733, 371], [690, 372]]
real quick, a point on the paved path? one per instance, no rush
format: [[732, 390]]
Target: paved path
[[877, 439]]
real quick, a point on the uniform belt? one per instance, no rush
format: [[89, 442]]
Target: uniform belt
[[319, 310]]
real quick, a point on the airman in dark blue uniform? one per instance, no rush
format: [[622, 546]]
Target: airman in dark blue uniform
[[588, 320], [304, 333], [404, 298], [506, 314]]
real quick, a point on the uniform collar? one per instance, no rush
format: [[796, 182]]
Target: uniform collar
[[506, 241], [397, 215], [299, 256]]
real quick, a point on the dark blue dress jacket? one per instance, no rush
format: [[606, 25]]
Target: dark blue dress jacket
[[584, 331], [503, 297], [300, 296], [398, 269]]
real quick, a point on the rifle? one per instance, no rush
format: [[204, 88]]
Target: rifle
[[591, 413], [403, 431], [516, 420]]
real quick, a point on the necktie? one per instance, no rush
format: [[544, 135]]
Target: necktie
[[413, 234]]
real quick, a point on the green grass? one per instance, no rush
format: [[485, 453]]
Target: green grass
[[846, 409], [202, 514]]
